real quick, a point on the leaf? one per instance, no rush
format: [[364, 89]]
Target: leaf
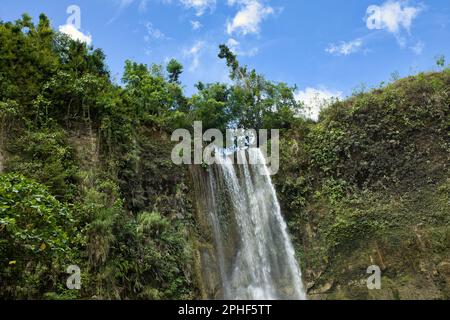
[[42, 246], [12, 262]]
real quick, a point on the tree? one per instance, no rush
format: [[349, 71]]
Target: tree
[[211, 106], [236, 71], [175, 69], [256, 103], [440, 61]]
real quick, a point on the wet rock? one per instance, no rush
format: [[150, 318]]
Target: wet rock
[[323, 288], [444, 268], [309, 285]]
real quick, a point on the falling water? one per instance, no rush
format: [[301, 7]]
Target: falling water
[[262, 264]]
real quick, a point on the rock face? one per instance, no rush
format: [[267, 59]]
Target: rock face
[[363, 187], [2, 159], [207, 262], [250, 252]]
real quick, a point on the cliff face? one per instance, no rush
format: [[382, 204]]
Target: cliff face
[[132, 229], [206, 262], [2, 159], [370, 185], [216, 226], [367, 185]]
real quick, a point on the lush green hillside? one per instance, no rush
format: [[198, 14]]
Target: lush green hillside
[[370, 185], [100, 190], [86, 177], [86, 173]]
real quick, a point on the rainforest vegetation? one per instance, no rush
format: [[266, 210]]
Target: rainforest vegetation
[[86, 177]]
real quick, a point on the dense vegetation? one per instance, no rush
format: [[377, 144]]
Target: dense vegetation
[[86, 177], [369, 184]]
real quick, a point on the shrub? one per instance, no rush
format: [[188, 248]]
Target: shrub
[[34, 240]]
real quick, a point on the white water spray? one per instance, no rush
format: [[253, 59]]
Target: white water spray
[[263, 266]]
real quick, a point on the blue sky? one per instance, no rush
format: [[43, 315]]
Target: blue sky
[[325, 47]]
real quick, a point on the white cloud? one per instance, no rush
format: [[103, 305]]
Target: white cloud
[[248, 19], [200, 6], [195, 25], [194, 54], [393, 16], [153, 33], [236, 47], [143, 5], [315, 100], [345, 48], [75, 34], [200, 59], [418, 47], [232, 44], [125, 3]]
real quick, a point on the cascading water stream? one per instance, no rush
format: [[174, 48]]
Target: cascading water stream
[[262, 265]]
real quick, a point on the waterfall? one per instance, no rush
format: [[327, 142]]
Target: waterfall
[[255, 257]]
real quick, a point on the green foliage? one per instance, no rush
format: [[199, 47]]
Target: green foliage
[[368, 184], [46, 157], [34, 229], [352, 228], [440, 61], [210, 105], [382, 138], [333, 190], [163, 254], [150, 99], [101, 192], [175, 69], [67, 126]]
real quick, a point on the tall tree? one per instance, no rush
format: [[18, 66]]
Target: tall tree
[[175, 69], [255, 102]]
